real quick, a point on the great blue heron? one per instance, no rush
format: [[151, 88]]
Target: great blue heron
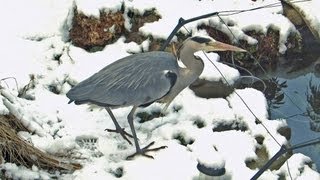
[[139, 80]]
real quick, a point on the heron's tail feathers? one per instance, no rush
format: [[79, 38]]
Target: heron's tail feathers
[[79, 93]]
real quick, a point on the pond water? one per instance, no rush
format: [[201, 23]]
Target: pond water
[[295, 109], [296, 98]]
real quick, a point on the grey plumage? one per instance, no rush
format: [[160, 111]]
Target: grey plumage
[[140, 79], [118, 84]]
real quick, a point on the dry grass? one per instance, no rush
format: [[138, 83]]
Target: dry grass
[[88, 31], [16, 150]]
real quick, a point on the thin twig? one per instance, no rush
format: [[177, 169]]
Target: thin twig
[[15, 80]]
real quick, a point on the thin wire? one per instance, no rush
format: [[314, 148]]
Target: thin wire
[[234, 37], [277, 4], [291, 100], [257, 119], [255, 78], [292, 117], [185, 28], [305, 143], [288, 169], [239, 67], [252, 9]]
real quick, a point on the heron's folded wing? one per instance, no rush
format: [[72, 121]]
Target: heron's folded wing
[[135, 80]]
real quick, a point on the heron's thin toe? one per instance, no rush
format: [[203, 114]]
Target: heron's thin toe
[[142, 154], [125, 132], [139, 153], [122, 132], [125, 137], [144, 150], [156, 149]]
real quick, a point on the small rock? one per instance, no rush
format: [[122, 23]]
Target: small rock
[[285, 131], [210, 171]]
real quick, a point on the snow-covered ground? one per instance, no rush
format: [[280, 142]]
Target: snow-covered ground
[[32, 36]]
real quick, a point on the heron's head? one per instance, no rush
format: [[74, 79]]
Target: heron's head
[[207, 44], [186, 53]]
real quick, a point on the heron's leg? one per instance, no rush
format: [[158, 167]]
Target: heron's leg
[[138, 149], [118, 129]]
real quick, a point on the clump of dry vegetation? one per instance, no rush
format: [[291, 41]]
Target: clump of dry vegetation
[[89, 31], [13, 149]]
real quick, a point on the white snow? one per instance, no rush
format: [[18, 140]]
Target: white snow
[[33, 33], [299, 160], [15, 172], [210, 71]]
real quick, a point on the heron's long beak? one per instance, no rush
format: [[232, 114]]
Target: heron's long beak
[[219, 46]]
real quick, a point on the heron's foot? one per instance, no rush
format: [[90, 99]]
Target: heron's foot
[[122, 132], [144, 150]]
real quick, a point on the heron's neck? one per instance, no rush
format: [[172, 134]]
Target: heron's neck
[[188, 75], [195, 66]]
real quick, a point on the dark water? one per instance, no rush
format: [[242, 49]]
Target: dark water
[[295, 110]]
